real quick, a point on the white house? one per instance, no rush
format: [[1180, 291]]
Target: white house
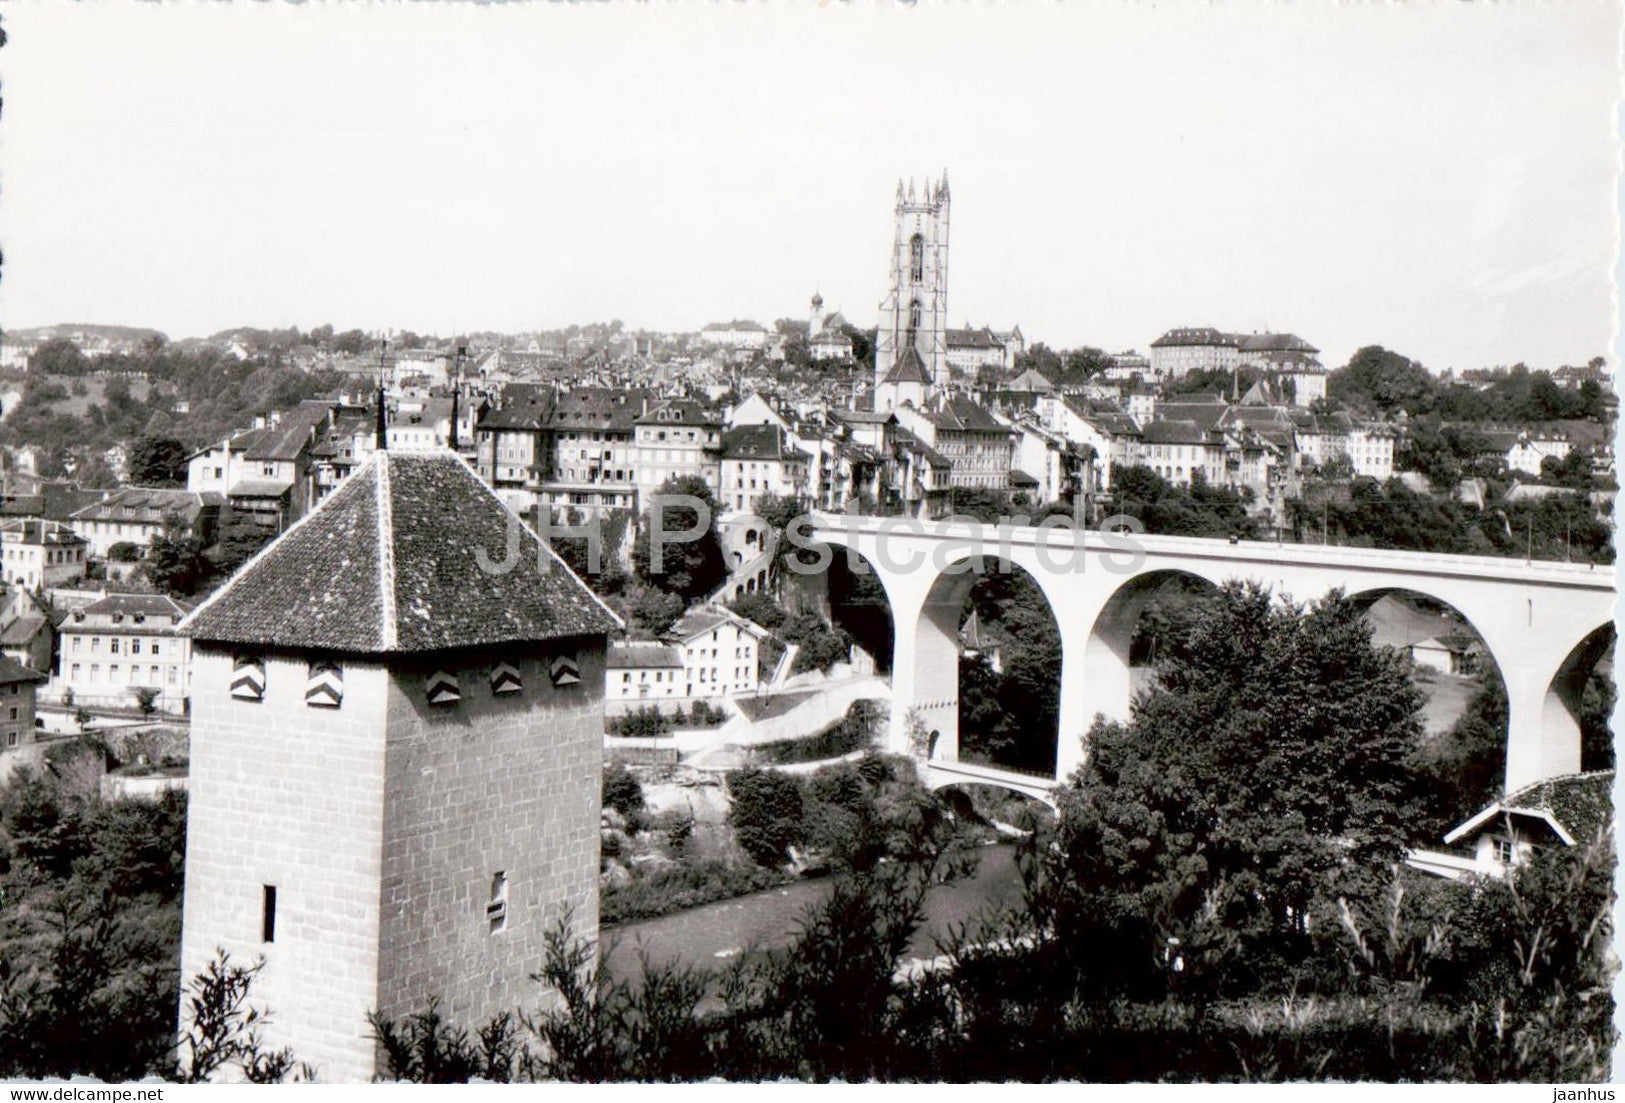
[[37, 554], [1572, 810], [642, 672], [719, 650], [120, 644]]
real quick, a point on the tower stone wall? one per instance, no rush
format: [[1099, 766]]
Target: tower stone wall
[[498, 783], [290, 796]]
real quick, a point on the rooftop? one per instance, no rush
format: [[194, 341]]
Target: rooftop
[[387, 564]]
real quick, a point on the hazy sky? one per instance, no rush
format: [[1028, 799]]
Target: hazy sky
[[1438, 179]]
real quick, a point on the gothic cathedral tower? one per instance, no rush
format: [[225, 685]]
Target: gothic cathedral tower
[[911, 354]]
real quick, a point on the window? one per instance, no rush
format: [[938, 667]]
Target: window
[[496, 911], [135, 647], [916, 258], [11, 737], [267, 913], [1503, 851]]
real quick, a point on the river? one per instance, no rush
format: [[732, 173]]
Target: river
[[709, 936]]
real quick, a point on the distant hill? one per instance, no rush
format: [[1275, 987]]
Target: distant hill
[[107, 333]]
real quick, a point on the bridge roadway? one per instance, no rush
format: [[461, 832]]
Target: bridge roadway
[[1544, 624]]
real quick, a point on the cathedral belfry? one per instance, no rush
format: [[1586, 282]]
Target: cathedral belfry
[[911, 353]]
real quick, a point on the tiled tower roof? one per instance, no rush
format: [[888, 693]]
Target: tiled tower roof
[[388, 564]]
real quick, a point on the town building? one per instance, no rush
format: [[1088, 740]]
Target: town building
[[678, 438], [395, 765], [115, 647], [1181, 351], [1571, 810], [826, 335], [640, 673], [972, 349], [591, 438], [979, 450], [266, 473], [137, 515], [40, 554], [28, 629], [19, 737], [758, 460], [738, 336], [720, 651]]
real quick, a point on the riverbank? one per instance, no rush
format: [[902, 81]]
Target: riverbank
[[709, 936]]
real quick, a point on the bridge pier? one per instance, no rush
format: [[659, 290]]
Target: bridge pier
[[1543, 736]]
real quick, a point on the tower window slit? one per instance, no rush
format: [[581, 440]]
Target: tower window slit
[[268, 913]]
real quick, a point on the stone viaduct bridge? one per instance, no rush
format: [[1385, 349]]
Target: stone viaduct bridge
[[1544, 624]]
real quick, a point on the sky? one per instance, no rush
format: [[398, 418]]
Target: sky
[[1438, 179]]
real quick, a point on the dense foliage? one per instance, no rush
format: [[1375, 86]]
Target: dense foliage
[[1389, 514], [90, 926], [688, 569], [853, 732], [1162, 508], [1009, 716], [124, 399], [1377, 380]]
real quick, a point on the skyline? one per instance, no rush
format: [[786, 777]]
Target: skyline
[[1440, 181]]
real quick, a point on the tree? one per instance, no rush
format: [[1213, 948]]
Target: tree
[[221, 1028], [175, 561], [238, 540], [58, 356], [689, 569], [351, 342], [1268, 772], [766, 813], [1377, 379], [146, 700], [157, 461]]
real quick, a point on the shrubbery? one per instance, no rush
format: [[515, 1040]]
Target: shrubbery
[[685, 885], [853, 732]]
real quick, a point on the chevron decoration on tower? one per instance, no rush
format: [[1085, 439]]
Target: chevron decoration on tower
[[248, 678], [325, 686], [564, 671], [442, 689], [505, 679]]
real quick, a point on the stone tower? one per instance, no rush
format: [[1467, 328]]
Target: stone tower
[[815, 317], [396, 760], [911, 350]]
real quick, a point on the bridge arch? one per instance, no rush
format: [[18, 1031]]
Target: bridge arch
[[1565, 715], [861, 604], [1009, 720], [1105, 668]]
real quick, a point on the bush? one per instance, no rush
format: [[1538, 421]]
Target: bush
[[671, 889], [853, 732], [766, 813], [621, 790], [759, 608], [645, 720]]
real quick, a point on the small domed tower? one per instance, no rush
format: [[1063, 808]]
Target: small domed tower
[[815, 318]]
